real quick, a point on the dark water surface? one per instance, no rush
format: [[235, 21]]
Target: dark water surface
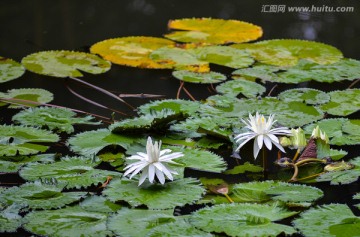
[[28, 26]]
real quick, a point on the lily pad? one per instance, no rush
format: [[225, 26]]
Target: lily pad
[[287, 113], [180, 59], [329, 220], [99, 204], [64, 63], [345, 69], [40, 196], [343, 176], [169, 195], [70, 221], [250, 219], [305, 95], [59, 119], [19, 97], [10, 220], [197, 77], [199, 160], [77, 172], [14, 163], [241, 86], [261, 71], [270, 191], [125, 221], [343, 103], [246, 167], [180, 228], [18, 140], [224, 56], [213, 31], [10, 70], [341, 131], [155, 120], [287, 52], [178, 106], [91, 142], [132, 51]]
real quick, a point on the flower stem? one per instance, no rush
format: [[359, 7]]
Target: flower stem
[[228, 198], [265, 168]]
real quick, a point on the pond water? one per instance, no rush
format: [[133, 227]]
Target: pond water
[[29, 26]]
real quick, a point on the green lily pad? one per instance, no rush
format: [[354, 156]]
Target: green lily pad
[[10, 70], [10, 220], [305, 95], [155, 120], [77, 172], [99, 204], [40, 196], [197, 77], [131, 51], [178, 106], [14, 163], [341, 131], [269, 191], [180, 59], [125, 221], [18, 140], [241, 86], [261, 71], [246, 167], [343, 103], [213, 31], [224, 56], [200, 160], [343, 176], [17, 98], [286, 113], [328, 220], [345, 69], [70, 221], [60, 119], [171, 194], [287, 52], [91, 142], [65, 63], [180, 228], [250, 219]]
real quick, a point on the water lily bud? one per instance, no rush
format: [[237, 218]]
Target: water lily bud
[[285, 141], [317, 133], [298, 139]]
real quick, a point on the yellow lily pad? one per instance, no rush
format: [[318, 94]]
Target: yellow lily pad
[[289, 52], [132, 51], [213, 31]]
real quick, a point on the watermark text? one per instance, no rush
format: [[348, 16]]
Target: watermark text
[[312, 8]]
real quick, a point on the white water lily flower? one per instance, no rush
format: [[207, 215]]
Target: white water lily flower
[[261, 130], [152, 163]]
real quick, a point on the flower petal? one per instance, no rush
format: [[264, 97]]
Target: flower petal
[[171, 156], [143, 177], [164, 169], [160, 176], [260, 140], [256, 149], [243, 143], [279, 146], [268, 142], [273, 138], [151, 174]]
